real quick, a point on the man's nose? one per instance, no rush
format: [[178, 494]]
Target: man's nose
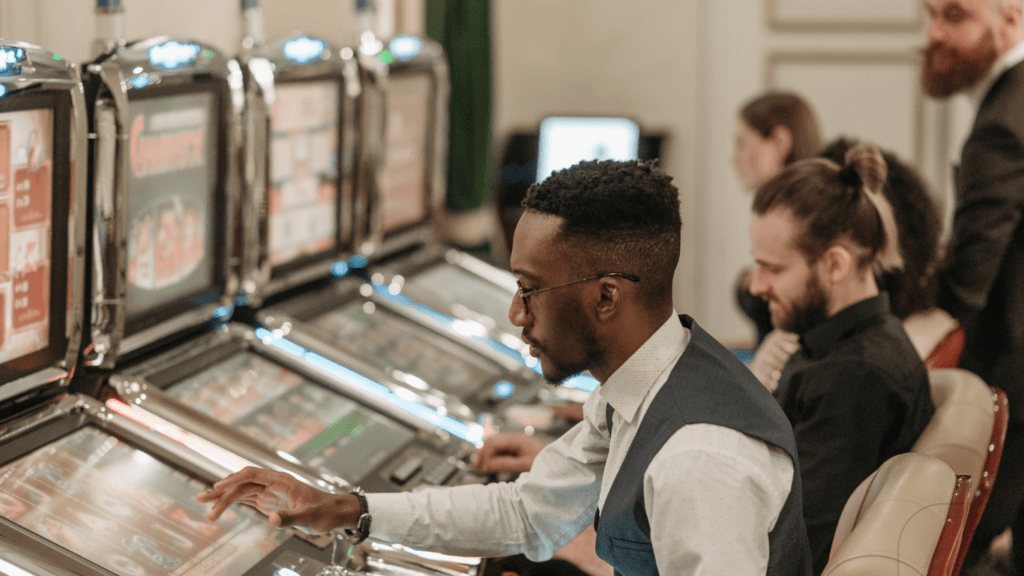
[[517, 311]]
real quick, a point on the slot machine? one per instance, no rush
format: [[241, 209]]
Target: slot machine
[[350, 320], [85, 490], [168, 116], [399, 232]]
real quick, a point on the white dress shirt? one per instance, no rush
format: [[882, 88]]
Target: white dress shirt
[[1008, 60], [712, 494]]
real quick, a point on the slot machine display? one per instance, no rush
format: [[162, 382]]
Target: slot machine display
[[307, 98], [449, 289], [83, 490], [182, 104]]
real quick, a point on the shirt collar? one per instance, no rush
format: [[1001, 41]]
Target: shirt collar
[[1008, 60], [627, 387], [821, 339]]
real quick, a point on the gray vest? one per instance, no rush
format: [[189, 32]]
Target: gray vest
[[708, 385]]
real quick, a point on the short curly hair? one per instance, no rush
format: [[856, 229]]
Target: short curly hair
[[617, 217]]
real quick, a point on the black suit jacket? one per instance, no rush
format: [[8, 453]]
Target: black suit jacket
[[982, 284]]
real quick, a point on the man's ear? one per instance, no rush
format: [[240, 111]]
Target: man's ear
[[610, 300], [837, 263], [782, 139]]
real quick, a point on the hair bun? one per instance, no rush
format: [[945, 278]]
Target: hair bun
[[868, 164], [850, 178]]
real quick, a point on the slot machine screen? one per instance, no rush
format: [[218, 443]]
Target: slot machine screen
[[566, 140], [34, 194], [391, 342], [303, 194], [405, 188], [287, 412], [461, 287], [122, 509], [172, 206]]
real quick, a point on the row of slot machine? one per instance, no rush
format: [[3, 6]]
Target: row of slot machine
[[213, 261]]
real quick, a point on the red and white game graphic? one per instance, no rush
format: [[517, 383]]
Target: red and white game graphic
[[5, 157], [404, 187], [166, 244], [303, 197], [26, 190], [122, 509]]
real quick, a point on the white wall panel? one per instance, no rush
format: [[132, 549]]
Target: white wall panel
[[871, 97]]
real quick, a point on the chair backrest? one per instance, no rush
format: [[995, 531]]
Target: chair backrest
[[966, 432], [907, 519], [937, 337]]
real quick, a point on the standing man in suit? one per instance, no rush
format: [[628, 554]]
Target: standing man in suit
[[977, 47]]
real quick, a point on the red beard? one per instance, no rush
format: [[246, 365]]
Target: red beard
[[947, 70]]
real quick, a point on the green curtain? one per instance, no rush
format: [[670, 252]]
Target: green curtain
[[463, 27]]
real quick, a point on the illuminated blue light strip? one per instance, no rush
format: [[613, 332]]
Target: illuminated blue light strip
[[446, 423], [578, 382]]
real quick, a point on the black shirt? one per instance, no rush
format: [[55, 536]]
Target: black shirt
[[856, 394]]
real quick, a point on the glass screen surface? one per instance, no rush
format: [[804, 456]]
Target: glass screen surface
[[389, 341], [128, 512], [171, 188], [456, 286], [287, 412], [405, 189], [26, 231], [564, 141], [303, 194]]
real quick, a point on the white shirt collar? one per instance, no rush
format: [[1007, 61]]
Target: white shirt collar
[[627, 387], [1008, 60]]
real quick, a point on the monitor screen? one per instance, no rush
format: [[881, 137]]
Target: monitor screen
[[172, 209], [456, 286], [122, 509], [565, 140], [26, 224], [303, 193], [279, 408], [405, 188], [389, 341]]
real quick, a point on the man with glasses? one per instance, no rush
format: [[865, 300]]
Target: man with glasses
[[684, 458]]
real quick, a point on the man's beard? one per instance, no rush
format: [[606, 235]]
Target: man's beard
[[811, 311], [586, 339], [966, 67]]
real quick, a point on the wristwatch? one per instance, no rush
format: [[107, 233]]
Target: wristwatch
[[362, 529]]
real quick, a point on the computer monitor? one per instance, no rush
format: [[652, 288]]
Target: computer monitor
[[566, 140], [175, 212], [35, 188], [303, 195]]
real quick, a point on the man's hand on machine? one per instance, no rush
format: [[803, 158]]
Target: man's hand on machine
[[508, 453], [285, 500]]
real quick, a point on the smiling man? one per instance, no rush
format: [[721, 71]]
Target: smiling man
[[977, 47], [856, 392], [685, 458]]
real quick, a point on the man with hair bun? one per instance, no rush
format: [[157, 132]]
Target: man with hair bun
[[683, 457], [856, 392]]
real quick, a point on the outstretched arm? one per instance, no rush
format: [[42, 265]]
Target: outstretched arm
[[285, 500]]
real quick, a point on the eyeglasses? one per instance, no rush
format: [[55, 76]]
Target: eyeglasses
[[525, 293]]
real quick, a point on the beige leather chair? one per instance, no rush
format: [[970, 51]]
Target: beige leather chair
[[967, 433], [937, 337], [906, 519]]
